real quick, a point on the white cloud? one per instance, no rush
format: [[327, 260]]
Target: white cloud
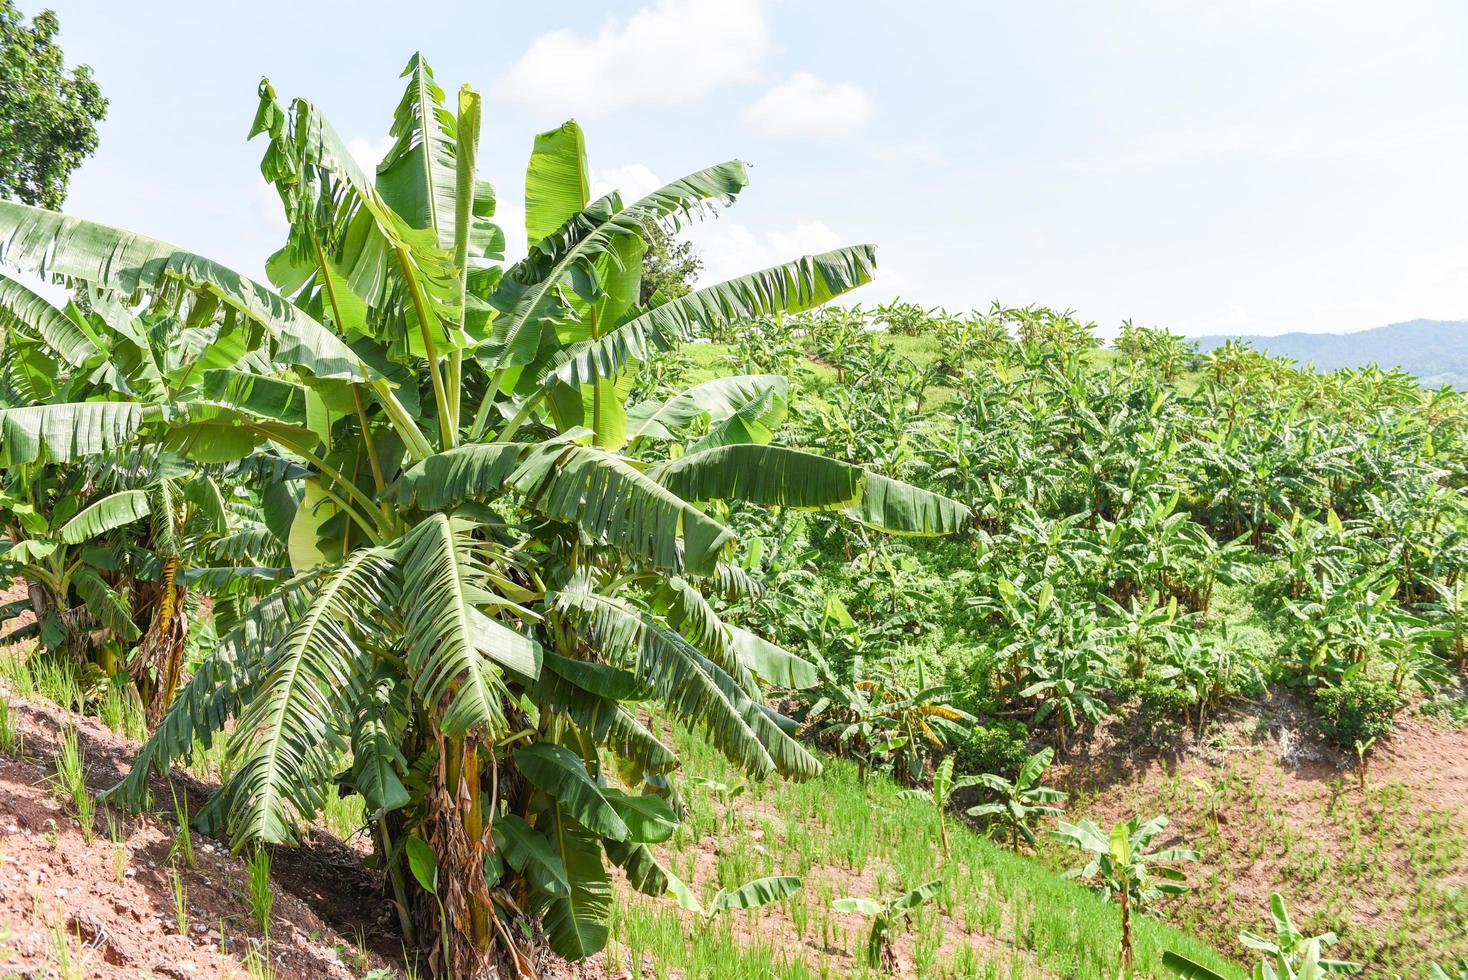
[[633, 181], [807, 104], [369, 153], [672, 52], [730, 249]]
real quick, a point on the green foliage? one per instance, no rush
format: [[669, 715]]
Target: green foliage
[[997, 747], [259, 892], [69, 783], [669, 266], [48, 116], [887, 916], [1122, 867], [1356, 710], [1160, 704], [442, 540], [1020, 800]]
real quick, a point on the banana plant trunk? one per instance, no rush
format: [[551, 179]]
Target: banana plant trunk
[[453, 827], [157, 665], [459, 926], [1126, 933]]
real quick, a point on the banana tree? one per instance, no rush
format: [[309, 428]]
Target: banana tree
[[487, 584], [1020, 799], [1122, 866], [888, 916], [106, 537], [1290, 955]]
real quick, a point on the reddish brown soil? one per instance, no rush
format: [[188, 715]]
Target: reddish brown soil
[[1385, 868], [326, 902]]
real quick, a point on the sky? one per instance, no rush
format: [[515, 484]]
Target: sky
[[1254, 166]]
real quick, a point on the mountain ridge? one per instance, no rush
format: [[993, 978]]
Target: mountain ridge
[[1435, 351]]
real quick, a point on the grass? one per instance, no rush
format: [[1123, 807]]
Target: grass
[[259, 894], [180, 899], [11, 741], [15, 671], [848, 839], [183, 837], [342, 815], [69, 963], [122, 713], [117, 831], [69, 783]]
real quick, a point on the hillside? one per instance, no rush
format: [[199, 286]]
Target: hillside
[[1435, 351], [121, 902]]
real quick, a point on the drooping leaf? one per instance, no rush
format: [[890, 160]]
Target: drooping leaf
[[443, 645], [753, 894], [575, 924], [289, 735], [70, 341], [105, 603], [46, 243], [774, 665], [67, 431], [692, 686], [1188, 969], [800, 285], [779, 476], [528, 851], [111, 511], [603, 492], [649, 819], [560, 773]]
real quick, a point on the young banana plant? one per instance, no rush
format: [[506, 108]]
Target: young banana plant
[[887, 917], [1021, 800], [1121, 866]]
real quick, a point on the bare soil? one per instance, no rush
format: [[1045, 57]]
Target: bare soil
[[113, 903], [1272, 807]]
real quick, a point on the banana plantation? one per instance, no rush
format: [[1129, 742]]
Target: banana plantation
[[531, 573]]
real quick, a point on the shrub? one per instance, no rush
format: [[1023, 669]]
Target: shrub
[[1356, 710], [998, 747], [1161, 706]]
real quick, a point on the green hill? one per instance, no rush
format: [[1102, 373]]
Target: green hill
[[1436, 351]]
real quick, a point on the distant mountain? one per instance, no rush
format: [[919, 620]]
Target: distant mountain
[[1436, 351]]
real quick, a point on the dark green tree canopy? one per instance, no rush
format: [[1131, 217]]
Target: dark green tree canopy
[[669, 266], [48, 116]]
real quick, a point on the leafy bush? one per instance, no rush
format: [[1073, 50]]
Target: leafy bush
[[998, 747], [1355, 710], [1161, 706]]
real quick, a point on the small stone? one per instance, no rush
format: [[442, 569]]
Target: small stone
[[130, 873]]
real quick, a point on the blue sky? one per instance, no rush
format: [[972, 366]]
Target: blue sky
[[1250, 166]]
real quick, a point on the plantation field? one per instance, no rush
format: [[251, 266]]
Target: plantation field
[[555, 617], [999, 915]]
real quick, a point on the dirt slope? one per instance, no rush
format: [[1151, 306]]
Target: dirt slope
[[1274, 808], [114, 902]]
